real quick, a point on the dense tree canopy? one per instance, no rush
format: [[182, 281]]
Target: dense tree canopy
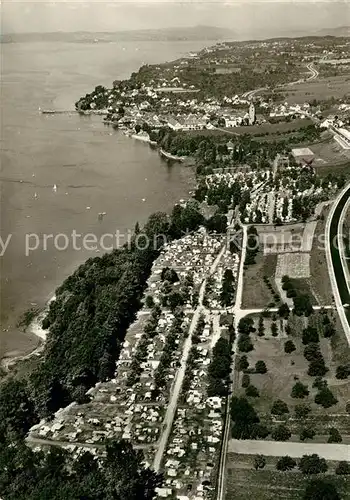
[[285, 463], [244, 417], [220, 368], [321, 490], [17, 413], [28, 475], [312, 464]]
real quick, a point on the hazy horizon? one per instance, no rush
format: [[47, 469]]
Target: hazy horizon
[[247, 19]]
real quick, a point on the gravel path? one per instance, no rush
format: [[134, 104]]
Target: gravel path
[[295, 450]]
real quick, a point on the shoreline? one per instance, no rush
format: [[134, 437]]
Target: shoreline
[[35, 329], [74, 111], [17, 347], [143, 138], [169, 156]]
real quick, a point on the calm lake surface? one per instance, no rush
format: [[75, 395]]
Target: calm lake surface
[[91, 164]]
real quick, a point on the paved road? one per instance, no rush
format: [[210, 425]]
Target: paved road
[[313, 70], [314, 74], [295, 450], [171, 408], [331, 271], [227, 423], [342, 249], [248, 95]]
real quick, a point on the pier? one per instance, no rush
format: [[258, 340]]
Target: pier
[[58, 112], [72, 112], [169, 156]]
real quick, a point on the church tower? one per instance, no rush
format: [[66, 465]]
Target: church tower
[[251, 114]]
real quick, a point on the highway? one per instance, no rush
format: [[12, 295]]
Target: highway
[[336, 261], [342, 252]]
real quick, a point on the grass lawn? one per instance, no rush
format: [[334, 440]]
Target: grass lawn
[[342, 168], [244, 482], [319, 279], [255, 292]]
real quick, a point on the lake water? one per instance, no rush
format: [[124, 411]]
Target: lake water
[[91, 164]]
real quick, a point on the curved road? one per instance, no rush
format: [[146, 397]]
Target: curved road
[[314, 74], [313, 71], [343, 256], [336, 261]]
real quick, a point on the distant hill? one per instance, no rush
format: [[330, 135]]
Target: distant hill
[[170, 34], [341, 31], [280, 32], [196, 33]]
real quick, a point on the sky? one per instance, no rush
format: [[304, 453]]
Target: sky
[[243, 16]]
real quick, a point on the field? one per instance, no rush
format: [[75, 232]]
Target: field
[[330, 156], [319, 89], [258, 130], [283, 370], [243, 481], [272, 128], [274, 261], [336, 168], [294, 265]]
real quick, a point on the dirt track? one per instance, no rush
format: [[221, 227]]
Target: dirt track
[[295, 450]]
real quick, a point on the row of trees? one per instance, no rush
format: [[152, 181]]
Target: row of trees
[[252, 246], [308, 464], [228, 288], [220, 368], [302, 302]]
